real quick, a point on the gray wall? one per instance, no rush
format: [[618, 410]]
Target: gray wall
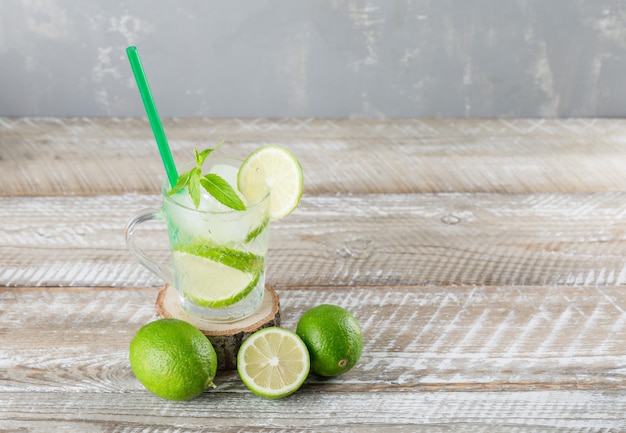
[[308, 58]]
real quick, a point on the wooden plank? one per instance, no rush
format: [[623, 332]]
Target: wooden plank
[[421, 338], [491, 412], [510, 358], [372, 240], [492, 312], [415, 339], [360, 156]]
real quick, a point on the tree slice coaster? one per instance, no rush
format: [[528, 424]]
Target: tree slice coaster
[[225, 337]]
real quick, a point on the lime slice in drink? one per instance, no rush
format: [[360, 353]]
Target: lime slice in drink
[[256, 231], [273, 169], [219, 277], [273, 362], [241, 260]]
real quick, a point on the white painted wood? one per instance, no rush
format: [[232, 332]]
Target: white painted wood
[[531, 357], [489, 275], [377, 240], [317, 411], [449, 338], [358, 156]]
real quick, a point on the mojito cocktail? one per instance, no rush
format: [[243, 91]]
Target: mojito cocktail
[[218, 216], [218, 253]]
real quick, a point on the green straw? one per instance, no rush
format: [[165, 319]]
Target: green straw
[[153, 115]]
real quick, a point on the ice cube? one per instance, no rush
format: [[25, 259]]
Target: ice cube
[[224, 226], [228, 173]]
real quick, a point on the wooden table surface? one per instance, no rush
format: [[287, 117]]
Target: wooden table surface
[[485, 260]]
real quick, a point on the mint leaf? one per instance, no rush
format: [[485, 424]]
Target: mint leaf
[[183, 181], [201, 157], [215, 185], [194, 186], [222, 191]]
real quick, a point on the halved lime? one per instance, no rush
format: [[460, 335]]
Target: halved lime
[[273, 362], [273, 169], [217, 281]]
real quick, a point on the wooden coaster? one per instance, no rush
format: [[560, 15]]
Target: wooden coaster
[[225, 337]]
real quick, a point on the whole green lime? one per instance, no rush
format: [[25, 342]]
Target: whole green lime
[[334, 339], [173, 359]]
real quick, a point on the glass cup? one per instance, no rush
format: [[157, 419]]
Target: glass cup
[[217, 254]]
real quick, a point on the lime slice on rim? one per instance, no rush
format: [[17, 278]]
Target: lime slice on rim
[[217, 277], [273, 169], [273, 362]]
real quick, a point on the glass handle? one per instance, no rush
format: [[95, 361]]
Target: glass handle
[[148, 262]]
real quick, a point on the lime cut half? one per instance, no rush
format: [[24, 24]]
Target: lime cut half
[[218, 281], [275, 170], [273, 362]]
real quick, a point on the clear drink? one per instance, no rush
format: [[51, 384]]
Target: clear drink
[[218, 254]]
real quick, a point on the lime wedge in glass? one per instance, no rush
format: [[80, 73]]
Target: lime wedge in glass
[[241, 260], [256, 231], [216, 277]]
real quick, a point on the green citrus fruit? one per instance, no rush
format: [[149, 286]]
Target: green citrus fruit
[[218, 279], [333, 337], [273, 362], [273, 169], [173, 359]]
